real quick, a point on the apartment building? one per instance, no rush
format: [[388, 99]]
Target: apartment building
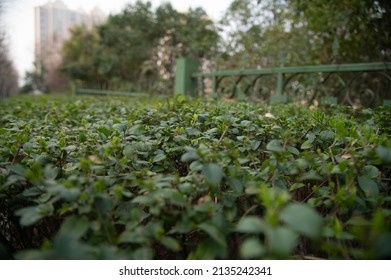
[[53, 22]]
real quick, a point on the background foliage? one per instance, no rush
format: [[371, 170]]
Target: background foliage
[[295, 32], [8, 74], [137, 48]]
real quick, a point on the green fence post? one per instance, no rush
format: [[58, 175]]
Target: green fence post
[[280, 84], [185, 83], [74, 88], [214, 84], [279, 97]]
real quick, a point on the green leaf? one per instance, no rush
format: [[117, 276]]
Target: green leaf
[[29, 215], [67, 247], [129, 151], [70, 148], [302, 219], [371, 171], [50, 172], [293, 150], [137, 130], [311, 175], [28, 147], [252, 248], [368, 186], [68, 194], [105, 131], [120, 127], [159, 157], [171, 243], [296, 186], [75, 226], [213, 173], [143, 199], [282, 240], [190, 156], [251, 224], [255, 144], [214, 233], [307, 144], [385, 154], [193, 131], [18, 169], [274, 146], [236, 185]]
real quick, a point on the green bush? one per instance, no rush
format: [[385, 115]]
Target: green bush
[[105, 178]]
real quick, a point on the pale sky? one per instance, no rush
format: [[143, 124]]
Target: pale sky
[[19, 21]]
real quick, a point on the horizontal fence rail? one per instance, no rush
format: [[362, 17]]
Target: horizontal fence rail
[[358, 67], [354, 84], [81, 91]]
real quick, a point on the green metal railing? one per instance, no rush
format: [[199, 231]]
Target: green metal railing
[[356, 83], [81, 91]]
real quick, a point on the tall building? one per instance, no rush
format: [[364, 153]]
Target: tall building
[[53, 22]]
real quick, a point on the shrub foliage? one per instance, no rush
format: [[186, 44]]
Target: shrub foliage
[[104, 178]]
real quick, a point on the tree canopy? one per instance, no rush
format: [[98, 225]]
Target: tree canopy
[[297, 32], [137, 48]]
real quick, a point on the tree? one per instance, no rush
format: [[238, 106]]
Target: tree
[[78, 54], [35, 80], [363, 28], [298, 32], [136, 49], [8, 74]]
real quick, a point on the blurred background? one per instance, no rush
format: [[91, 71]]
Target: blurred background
[[133, 45]]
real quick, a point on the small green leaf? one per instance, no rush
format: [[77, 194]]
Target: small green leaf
[[70, 148], [274, 146], [236, 185], [368, 186], [190, 156], [68, 194], [159, 157], [143, 199], [307, 144], [29, 215], [385, 154], [311, 175], [296, 186], [282, 240], [137, 130], [104, 131], [75, 226], [252, 248], [120, 127], [213, 173], [193, 131], [251, 224], [170, 243], [129, 151], [255, 144], [214, 233], [303, 219], [67, 247], [293, 150], [371, 171], [50, 172], [18, 169]]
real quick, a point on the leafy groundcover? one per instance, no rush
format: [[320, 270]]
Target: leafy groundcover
[[109, 178]]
